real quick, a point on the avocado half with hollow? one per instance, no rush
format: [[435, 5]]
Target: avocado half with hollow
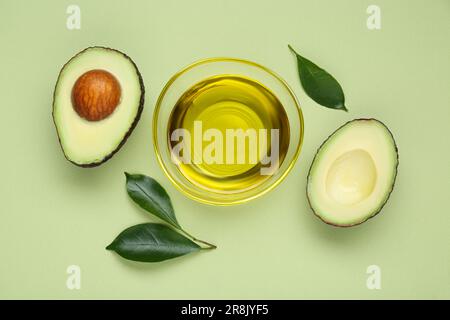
[[98, 100], [353, 173]]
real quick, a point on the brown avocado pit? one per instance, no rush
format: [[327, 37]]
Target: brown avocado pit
[[96, 95]]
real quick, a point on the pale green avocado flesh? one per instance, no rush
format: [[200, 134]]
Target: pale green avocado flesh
[[90, 143], [353, 173]]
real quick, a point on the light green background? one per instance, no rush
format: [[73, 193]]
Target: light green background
[[54, 214]]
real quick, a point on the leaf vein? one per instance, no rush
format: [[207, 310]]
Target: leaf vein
[[157, 205]]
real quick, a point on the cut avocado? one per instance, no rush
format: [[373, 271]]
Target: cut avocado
[[353, 173], [98, 100]]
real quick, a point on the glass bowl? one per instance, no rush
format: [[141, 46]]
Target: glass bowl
[[193, 74]]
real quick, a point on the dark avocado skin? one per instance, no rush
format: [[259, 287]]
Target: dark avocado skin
[[133, 125], [392, 185]]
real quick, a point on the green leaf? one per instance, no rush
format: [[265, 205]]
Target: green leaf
[[152, 197], [319, 85], [151, 242]]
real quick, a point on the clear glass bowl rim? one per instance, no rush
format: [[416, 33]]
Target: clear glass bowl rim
[[155, 130]]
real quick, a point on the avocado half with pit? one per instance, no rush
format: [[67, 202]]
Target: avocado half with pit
[[98, 100], [353, 173]]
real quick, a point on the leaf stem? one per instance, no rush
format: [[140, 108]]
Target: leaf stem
[[209, 245]]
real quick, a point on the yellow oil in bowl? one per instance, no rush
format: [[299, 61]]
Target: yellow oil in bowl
[[229, 123]]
